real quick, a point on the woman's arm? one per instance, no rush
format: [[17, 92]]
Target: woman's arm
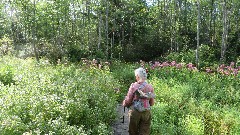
[[129, 98], [151, 101]]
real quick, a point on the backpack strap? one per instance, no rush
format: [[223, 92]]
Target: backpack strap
[[144, 95], [142, 85], [140, 89]]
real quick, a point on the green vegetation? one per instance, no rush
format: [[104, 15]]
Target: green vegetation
[[54, 89], [61, 99], [128, 30], [41, 98], [191, 102]]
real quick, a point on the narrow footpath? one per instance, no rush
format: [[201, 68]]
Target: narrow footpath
[[120, 127]]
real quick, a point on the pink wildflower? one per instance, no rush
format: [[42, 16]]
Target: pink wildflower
[[235, 72], [179, 66], [208, 70], [157, 64], [189, 65], [222, 66], [226, 73], [229, 68], [220, 70], [232, 64], [173, 63], [164, 64]]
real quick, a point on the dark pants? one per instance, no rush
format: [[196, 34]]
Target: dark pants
[[139, 122]]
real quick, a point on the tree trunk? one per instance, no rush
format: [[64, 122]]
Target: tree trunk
[[34, 32], [66, 24], [88, 27], [113, 37], [178, 27], [99, 30], [211, 35], [198, 24], [106, 30], [171, 29], [74, 21], [224, 35]]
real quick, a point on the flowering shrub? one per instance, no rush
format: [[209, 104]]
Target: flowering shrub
[[189, 101], [228, 70], [222, 69]]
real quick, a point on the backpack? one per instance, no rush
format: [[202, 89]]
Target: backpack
[[142, 104]]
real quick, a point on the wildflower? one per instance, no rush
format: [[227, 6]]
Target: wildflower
[[173, 63], [220, 69], [208, 70], [222, 66], [232, 64], [190, 65], [164, 64], [229, 68], [226, 72], [235, 72], [179, 66], [157, 64]]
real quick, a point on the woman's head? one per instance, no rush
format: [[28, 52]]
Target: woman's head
[[141, 74]]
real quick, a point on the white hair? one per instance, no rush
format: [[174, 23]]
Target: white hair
[[141, 72]]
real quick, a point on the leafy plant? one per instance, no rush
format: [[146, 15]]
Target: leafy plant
[[60, 99], [6, 74], [192, 102]]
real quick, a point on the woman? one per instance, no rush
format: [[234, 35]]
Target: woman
[[139, 122]]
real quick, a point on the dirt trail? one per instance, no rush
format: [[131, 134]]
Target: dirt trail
[[119, 127]]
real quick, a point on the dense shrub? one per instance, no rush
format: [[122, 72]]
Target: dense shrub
[[124, 73], [6, 46], [6, 74], [207, 56], [193, 102], [61, 99]]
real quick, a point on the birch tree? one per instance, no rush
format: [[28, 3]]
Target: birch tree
[[224, 33], [198, 24]]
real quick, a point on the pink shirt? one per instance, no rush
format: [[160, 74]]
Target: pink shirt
[[134, 86]]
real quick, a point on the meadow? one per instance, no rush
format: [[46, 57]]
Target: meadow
[[80, 99]]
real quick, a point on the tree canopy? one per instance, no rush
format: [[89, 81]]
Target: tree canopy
[[120, 29]]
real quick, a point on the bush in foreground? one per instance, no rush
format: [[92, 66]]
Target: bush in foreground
[[47, 99]]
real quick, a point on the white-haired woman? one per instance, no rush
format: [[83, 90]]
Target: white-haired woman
[[139, 121]]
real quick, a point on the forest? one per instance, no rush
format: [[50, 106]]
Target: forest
[[61, 62], [207, 31]]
